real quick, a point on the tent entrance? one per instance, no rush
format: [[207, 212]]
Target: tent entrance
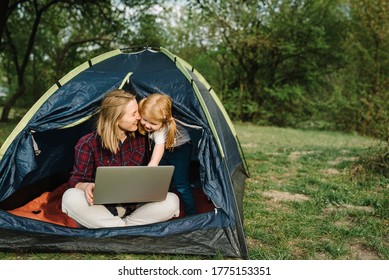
[[41, 200], [47, 206]]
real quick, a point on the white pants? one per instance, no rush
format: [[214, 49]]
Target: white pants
[[75, 205]]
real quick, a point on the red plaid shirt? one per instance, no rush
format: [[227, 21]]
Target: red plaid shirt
[[89, 154]]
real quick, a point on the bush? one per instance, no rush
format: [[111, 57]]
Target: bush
[[375, 162], [285, 106], [240, 106]]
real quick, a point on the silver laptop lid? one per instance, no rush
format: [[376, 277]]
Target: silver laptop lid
[[126, 184]]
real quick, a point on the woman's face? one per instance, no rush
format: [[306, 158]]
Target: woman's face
[[130, 118]]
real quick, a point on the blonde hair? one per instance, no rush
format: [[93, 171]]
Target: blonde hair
[[158, 108], [111, 110]]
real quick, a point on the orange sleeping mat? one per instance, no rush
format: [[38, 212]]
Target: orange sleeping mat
[[47, 208]]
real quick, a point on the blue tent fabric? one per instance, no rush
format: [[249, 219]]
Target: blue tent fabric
[[43, 152]]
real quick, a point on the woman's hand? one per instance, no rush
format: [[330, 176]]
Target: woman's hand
[[88, 188]]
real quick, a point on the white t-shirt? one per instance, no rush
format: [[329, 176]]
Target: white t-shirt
[[182, 136]]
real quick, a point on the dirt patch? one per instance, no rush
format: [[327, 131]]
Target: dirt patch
[[343, 223], [342, 159], [360, 252], [284, 196], [359, 208], [331, 171], [275, 206], [249, 145], [341, 207], [253, 243], [296, 155], [320, 256]]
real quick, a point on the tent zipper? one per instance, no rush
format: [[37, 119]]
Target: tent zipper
[[34, 143]]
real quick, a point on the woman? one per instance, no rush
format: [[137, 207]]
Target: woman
[[115, 142]]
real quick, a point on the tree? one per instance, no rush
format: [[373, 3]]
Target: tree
[[30, 14], [369, 46], [305, 52], [85, 24], [279, 53], [3, 18]]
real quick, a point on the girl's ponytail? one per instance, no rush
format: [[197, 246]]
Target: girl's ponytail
[[171, 133]]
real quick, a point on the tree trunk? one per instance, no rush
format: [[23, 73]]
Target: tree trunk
[[3, 19], [10, 103]]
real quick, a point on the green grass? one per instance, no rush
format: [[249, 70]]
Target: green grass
[[308, 197]]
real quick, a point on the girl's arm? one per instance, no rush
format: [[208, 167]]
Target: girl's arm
[[158, 151]]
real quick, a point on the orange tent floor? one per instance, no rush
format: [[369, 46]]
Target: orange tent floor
[[47, 207]]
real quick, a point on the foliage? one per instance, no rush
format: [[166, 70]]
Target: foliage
[[375, 162], [282, 64], [62, 34], [247, 110], [368, 46], [294, 62], [310, 64], [300, 61]]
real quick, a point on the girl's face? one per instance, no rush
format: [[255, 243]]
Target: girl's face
[[150, 125], [130, 118]]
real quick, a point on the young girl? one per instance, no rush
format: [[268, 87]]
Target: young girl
[[171, 143]]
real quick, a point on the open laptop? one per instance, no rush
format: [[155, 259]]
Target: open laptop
[[125, 184]]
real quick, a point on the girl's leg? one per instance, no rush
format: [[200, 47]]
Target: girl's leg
[[180, 157], [74, 204], [155, 212], [186, 195]]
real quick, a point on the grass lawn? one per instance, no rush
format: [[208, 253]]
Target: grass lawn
[[308, 197]]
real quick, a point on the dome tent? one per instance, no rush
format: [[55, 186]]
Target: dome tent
[[37, 157]]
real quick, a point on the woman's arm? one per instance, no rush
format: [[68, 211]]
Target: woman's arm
[[82, 174], [88, 189], [84, 165]]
